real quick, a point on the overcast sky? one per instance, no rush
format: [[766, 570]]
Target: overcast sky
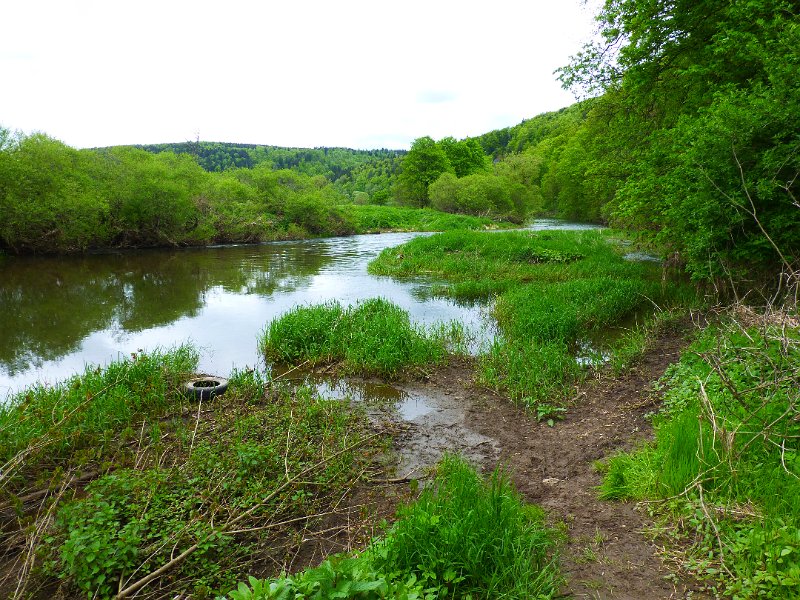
[[360, 74]]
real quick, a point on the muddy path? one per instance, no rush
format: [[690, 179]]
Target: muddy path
[[607, 556]]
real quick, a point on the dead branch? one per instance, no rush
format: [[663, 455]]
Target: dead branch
[[228, 526]]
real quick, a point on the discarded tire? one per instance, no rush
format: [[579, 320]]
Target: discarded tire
[[205, 388]]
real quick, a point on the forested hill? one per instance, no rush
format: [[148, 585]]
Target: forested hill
[[332, 163], [530, 132]]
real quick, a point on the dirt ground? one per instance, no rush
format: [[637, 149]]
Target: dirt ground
[[607, 555]]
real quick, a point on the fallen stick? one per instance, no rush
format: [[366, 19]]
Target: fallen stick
[[137, 585]]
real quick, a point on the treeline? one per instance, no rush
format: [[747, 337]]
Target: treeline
[[456, 176], [470, 184], [54, 198], [692, 138], [335, 164]]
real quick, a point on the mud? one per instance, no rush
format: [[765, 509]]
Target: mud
[[607, 555]]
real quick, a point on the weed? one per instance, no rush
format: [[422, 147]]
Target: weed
[[467, 536], [191, 473], [726, 452], [549, 413], [54, 423]]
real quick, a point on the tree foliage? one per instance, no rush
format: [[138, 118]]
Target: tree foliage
[[54, 198], [457, 177], [694, 139], [423, 165]]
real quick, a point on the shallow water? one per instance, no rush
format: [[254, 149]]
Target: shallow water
[[58, 314]]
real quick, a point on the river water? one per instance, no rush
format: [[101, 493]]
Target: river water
[[58, 314]]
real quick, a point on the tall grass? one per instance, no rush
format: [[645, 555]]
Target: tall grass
[[371, 218], [514, 256], [726, 454], [464, 537], [373, 337], [86, 409], [473, 538], [550, 291]]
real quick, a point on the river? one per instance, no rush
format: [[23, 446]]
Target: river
[[60, 313]]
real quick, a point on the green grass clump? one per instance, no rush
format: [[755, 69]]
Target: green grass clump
[[473, 537], [85, 411], [726, 453], [530, 372], [465, 537], [374, 337]]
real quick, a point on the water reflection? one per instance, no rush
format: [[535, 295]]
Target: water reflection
[[59, 313], [376, 396]]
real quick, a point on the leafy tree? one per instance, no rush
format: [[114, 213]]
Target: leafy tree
[[47, 198], [705, 95], [465, 156], [423, 165], [152, 198]]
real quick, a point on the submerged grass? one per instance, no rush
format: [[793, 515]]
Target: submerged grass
[[726, 459], [550, 290], [464, 537], [373, 337]]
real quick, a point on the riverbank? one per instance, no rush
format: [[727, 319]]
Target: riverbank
[[161, 496], [105, 476], [333, 220]]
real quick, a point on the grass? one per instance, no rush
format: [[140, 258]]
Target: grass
[[112, 499], [465, 537], [726, 459], [550, 290], [372, 218], [85, 412], [373, 337], [473, 538]]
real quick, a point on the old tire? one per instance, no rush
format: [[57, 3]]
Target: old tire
[[205, 388]]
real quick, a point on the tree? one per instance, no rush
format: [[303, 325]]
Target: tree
[[423, 165], [706, 97], [465, 156]]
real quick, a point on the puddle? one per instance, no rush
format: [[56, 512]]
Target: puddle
[[429, 421], [589, 354], [413, 407], [642, 257], [378, 398]]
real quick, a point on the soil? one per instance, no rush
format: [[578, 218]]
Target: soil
[[607, 554]]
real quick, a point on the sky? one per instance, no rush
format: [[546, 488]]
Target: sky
[[302, 73]]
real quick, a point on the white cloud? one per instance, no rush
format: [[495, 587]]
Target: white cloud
[[302, 73]]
